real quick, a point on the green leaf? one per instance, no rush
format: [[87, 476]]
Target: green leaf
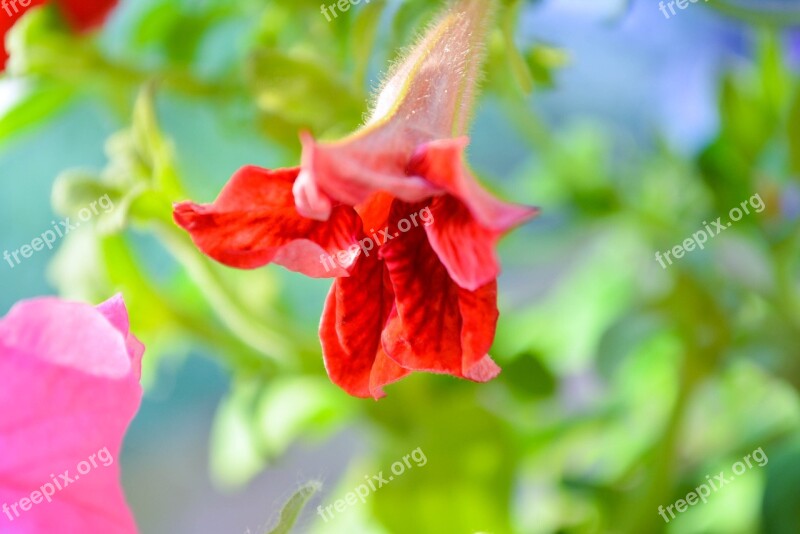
[[794, 134], [154, 146], [317, 409], [147, 303], [775, 77], [587, 299], [74, 190], [543, 59], [42, 44], [467, 470], [35, 107], [177, 32], [408, 18], [35, 39], [363, 34], [157, 23], [234, 454], [289, 87], [760, 12], [291, 510], [519, 67], [528, 378]]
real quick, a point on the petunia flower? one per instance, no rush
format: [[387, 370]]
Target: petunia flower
[[69, 387], [82, 16], [394, 214]]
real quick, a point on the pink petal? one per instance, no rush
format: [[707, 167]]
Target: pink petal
[[115, 312], [70, 389]]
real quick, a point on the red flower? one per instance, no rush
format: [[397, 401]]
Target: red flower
[[82, 15], [394, 214]]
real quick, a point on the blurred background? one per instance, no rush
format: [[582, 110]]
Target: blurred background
[[624, 384]]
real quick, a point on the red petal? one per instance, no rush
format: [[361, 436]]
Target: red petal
[[254, 222], [84, 15], [5, 25], [465, 248], [354, 315], [441, 163], [437, 326], [384, 371], [478, 323], [9, 15], [374, 212], [355, 168], [468, 221]]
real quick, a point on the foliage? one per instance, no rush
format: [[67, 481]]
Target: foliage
[[624, 384]]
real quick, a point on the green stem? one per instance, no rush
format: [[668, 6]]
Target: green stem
[[266, 336], [517, 63], [237, 354], [767, 12]]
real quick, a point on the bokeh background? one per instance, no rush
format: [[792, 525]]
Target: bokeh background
[[624, 384]]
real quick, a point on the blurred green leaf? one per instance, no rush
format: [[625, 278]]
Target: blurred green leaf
[[543, 60], [527, 377], [317, 410], [176, 31], [289, 87], [466, 462], [235, 455], [780, 513], [34, 108], [365, 29], [793, 133], [291, 510], [780, 13]]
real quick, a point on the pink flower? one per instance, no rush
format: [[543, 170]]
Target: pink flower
[[69, 387]]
